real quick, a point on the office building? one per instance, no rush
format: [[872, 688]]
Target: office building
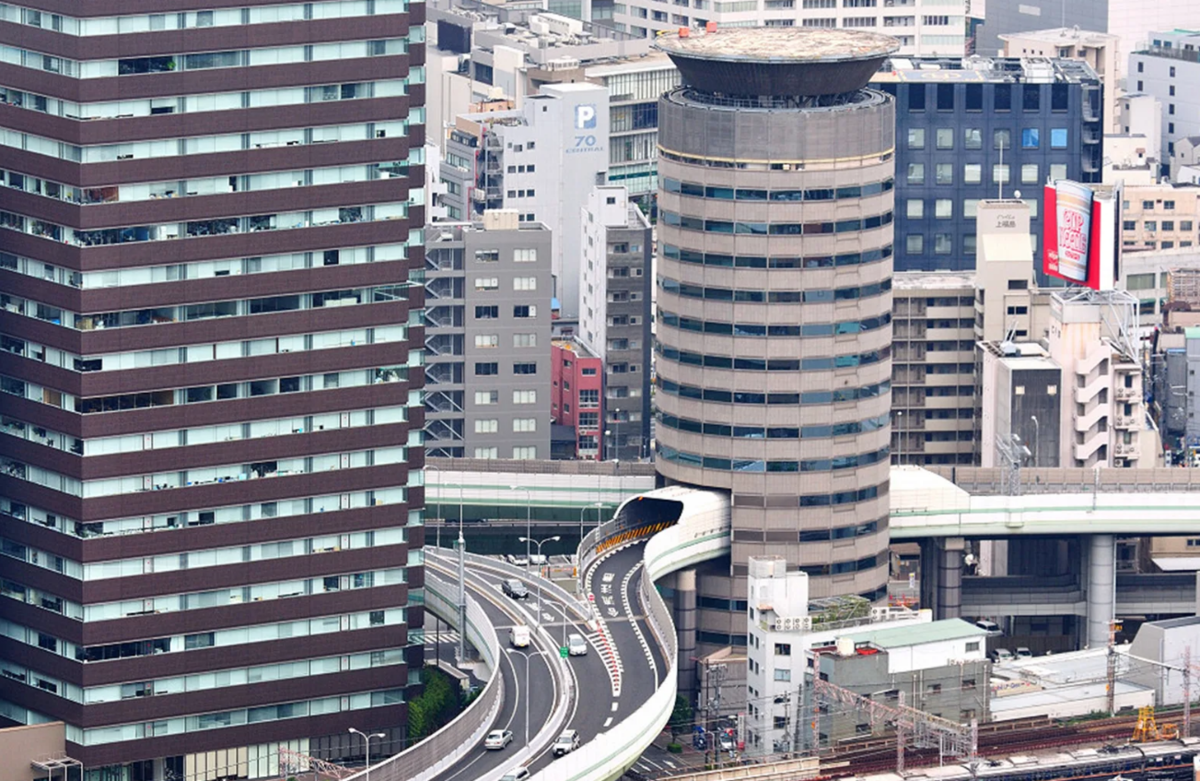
[[615, 315], [1167, 66], [987, 129], [1131, 21], [487, 338], [211, 365], [577, 399], [940, 667], [920, 27], [774, 319], [1101, 51], [539, 160], [1160, 217]]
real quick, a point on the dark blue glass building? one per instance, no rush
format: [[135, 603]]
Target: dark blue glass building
[[975, 129]]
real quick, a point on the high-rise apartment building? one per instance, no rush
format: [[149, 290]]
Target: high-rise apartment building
[[774, 303], [487, 338], [986, 129], [1167, 66], [211, 482], [945, 27], [615, 315]]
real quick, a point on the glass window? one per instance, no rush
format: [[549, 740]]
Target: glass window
[[1058, 171], [1002, 139], [972, 173], [943, 208], [916, 173], [1029, 138], [1000, 174], [972, 138], [916, 138], [945, 138], [915, 244], [942, 243], [1029, 173], [915, 208], [944, 173], [1058, 138], [970, 207]]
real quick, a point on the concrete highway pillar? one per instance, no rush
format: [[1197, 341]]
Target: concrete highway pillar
[[685, 628], [950, 569], [1101, 588]]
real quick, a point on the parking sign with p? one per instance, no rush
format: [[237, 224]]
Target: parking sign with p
[[585, 116]]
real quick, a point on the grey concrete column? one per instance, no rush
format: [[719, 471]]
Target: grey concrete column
[[929, 574], [685, 630], [950, 568], [1101, 588]]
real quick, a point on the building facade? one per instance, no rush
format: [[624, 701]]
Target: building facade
[[615, 315], [211, 486], [487, 338], [1166, 65], [774, 302], [1007, 129], [541, 161], [577, 396], [919, 26]]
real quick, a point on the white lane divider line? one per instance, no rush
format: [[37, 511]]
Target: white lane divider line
[[614, 707], [607, 722], [600, 637], [633, 620]]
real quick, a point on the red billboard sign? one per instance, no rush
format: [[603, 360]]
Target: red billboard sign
[[1082, 241]]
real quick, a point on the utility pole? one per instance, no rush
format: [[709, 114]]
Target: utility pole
[[900, 736], [816, 706], [1187, 691], [461, 545], [1111, 671]]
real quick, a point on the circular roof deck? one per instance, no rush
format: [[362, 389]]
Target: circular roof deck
[[782, 61]]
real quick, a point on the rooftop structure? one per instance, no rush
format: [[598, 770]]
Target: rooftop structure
[[778, 61]]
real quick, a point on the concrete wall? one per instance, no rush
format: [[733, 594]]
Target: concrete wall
[[19, 746]]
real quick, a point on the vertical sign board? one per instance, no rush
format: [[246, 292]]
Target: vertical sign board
[[1082, 241]]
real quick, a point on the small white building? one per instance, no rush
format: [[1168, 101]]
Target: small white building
[[1064, 686]]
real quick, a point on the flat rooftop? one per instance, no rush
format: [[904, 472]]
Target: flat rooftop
[[780, 44], [919, 634], [933, 280]]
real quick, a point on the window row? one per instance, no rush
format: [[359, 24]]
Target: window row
[[202, 393], [182, 725], [783, 329], [220, 638], [489, 398], [186, 519], [519, 426], [216, 185], [685, 255], [519, 452], [773, 364], [773, 432], [972, 138], [493, 283], [198, 353], [685, 290], [170, 63], [742, 165], [223, 226], [205, 269], [699, 190], [227, 473], [756, 465], [221, 17], [943, 173], [197, 103], [203, 145], [785, 399], [205, 311], [230, 432], [688, 222]]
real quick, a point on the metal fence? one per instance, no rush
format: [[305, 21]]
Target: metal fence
[[592, 468], [990, 481]]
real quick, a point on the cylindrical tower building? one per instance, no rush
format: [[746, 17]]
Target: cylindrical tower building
[[776, 173]]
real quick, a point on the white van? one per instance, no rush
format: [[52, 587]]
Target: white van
[[519, 636], [991, 627]]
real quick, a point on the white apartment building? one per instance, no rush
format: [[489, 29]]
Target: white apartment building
[[1167, 66], [923, 27]]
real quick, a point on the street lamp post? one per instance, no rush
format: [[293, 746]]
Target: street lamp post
[[583, 510], [539, 544], [1036, 432], [528, 521], [367, 740], [527, 656]]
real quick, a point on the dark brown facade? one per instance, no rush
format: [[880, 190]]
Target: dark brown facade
[[210, 544]]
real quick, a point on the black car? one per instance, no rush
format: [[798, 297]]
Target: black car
[[514, 588]]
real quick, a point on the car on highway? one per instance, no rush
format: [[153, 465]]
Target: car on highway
[[516, 774], [567, 742], [497, 739], [514, 589], [518, 636], [576, 645]]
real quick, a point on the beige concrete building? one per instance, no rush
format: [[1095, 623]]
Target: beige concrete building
[[1099, 50], [37, 752]]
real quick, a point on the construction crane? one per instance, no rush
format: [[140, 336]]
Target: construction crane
[[1147, 729]]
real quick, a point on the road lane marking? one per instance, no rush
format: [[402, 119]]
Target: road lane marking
[[607, 722], [615, 704]]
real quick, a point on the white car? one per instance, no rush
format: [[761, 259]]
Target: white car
[[518, 636], [576, 645], [497, 739], [516, 774], [1024, 653]]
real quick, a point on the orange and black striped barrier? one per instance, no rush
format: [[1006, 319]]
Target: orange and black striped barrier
[[629, 535]]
